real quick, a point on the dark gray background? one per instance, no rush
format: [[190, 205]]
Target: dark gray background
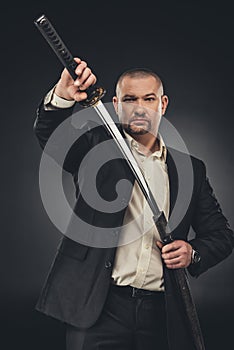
[[190, 45]]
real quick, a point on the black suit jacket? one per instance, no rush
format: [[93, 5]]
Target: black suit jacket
[[78, 281]]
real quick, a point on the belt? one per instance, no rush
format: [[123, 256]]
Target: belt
[[129, 291]]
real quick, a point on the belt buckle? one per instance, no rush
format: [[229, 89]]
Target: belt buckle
[[137, 292]]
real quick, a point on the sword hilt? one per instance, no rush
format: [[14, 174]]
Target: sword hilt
[[53, 39]]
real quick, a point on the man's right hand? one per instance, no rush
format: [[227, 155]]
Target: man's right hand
[[72, 90]]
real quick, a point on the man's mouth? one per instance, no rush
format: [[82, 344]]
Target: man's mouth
[[139, 121]]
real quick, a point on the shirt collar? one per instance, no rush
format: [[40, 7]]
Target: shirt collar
[[161, 153]]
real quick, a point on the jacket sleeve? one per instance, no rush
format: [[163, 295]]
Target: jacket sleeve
[[214, 238], [58, 138]]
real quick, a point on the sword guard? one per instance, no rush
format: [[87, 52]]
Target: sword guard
[[168, 239], [161, 224], [94, 95]]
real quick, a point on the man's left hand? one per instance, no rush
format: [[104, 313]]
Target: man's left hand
[[177, 254]]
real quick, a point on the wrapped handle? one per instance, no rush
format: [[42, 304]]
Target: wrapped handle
[[53, 39]]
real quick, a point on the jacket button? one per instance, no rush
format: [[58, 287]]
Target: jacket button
[[108, 264]]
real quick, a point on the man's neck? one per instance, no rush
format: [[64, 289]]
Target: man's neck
[[149, 142]]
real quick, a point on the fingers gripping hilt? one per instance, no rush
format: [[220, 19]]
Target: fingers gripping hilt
[[53, 39]]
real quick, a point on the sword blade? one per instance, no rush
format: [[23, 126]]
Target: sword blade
[[127, 154]]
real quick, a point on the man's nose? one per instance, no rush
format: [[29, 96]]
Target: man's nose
[[139, 113], [139, 110]]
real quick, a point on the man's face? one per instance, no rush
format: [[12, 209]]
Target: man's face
[[139, 104]]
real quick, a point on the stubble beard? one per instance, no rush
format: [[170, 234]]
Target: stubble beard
[[137, 130]]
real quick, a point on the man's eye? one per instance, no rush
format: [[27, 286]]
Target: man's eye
[[150, 99], [129, 99]]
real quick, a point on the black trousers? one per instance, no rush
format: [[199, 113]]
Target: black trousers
[[126, 323]]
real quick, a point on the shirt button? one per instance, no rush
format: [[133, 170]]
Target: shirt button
[[147, 246]]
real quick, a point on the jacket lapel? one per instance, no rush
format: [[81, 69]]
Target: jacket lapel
[[173, 180]]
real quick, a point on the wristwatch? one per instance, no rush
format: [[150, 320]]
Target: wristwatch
[[195, 257]]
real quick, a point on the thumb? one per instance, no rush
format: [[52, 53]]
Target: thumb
[[159, 244]]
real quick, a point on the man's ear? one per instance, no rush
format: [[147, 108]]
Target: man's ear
[[165, 101], [115, 103]]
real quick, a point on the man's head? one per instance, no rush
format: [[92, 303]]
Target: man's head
[[140, 101]]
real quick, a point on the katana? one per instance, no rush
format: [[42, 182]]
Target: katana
[[94, 100]]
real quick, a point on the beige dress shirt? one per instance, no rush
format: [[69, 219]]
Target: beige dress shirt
[[138, 260], [52, 100]]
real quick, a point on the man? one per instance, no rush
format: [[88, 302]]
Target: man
[[114, 297]]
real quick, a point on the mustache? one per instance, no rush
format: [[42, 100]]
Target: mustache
[[139, 117]]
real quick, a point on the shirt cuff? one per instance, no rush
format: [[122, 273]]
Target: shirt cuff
[[53, 101]]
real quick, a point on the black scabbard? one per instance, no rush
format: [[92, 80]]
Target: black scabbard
[[184, 328]]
